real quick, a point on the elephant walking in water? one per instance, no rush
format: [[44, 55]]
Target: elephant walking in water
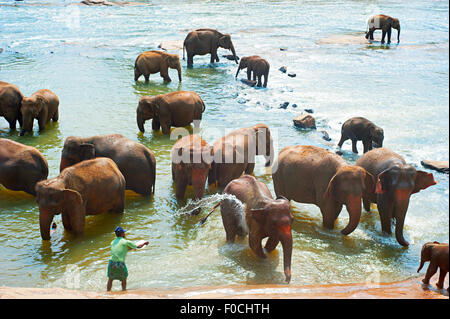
[[259, 66], [385, 23], [151, 62], [262, 217], [396, 181], [206, 41], [313, 175], [41, 105], [437, 254], [10, 104], [88, 188]]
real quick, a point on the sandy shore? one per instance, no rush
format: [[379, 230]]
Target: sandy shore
[[408, 289]]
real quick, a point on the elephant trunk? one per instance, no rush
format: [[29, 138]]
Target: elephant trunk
[[239, 68], [234, 53], [353, 205], [286, 242], [198, 182], [398, 34], [179, 72], [401, 206], [140, 122], [45, 220], [27, 124], [422, 262]]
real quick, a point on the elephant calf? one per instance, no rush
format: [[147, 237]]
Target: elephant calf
[[385, 23], [21, 166], [10, 103], [437, 254], [257, 65], [263, 217], [191, 161], [151, 62], [313, 175], [43, 106], [91, 187], [135, 161], [178, 109], [361, 129], [396, 182]]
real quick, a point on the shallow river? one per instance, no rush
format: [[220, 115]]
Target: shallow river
[[86, 56]]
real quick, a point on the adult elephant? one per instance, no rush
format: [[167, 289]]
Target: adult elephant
[[191, 161], [21, 166], [41, 105], [207, 41], [396, 182], [151, 62], [313, 175], [135, 161], [91, 187], [234, 154], [437, 254], [385, 23], [361, 129], [260, 217], [258, 66], [178, 109], [10, 103]]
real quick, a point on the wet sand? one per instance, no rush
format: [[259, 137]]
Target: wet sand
[[408, 289]]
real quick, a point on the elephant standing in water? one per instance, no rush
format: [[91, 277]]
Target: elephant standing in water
[[204, 41], [361, 129], [262, 217], [178, 109], [91, 187], [21, 166], [235, 153], [135, 161], [437, 254], [41, 105], [151, 62], [258, 66], [396, 182], [313, 175], [385, 23], [10, 104], [191, 161]]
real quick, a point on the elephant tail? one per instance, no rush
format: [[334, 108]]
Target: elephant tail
[[203, 106], [152, 162], [203, 220], [184, 45]]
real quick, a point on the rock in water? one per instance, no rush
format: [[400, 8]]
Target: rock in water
[[325, 136], [440, 166], [248, 82], [284, 105], [309, 110], [292, 74], [305, 121], [283, 69]]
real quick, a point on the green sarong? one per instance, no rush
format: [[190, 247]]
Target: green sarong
[[117, 270]]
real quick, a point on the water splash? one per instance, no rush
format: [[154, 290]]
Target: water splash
[[209, 202]]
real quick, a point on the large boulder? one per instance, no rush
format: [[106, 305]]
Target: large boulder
[[440, 166], [305, 121]]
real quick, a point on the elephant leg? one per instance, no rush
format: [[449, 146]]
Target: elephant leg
[[120, 204], [354, 147], [385, 209], [165, 129], [265, 80], [165, 76], [389, 35], [442, 274], [383, 36], [259, 80], [66, 221], [249, 74], [250, 167], [330, 215], [147, 77], [77, 220], [42, 119], [180, 186], [271, 244], [213, 57], [254, 76], [190, 59], [155, 125], [256, 246], [55, 116], [12, 123], [366, 144], [432, 269], [366, 204]]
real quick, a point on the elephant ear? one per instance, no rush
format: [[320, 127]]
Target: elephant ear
[[40, 102], [258, 214], [87, 151], [423, 181], [379, 188]]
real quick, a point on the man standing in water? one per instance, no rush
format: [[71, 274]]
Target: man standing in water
[[117, 270]]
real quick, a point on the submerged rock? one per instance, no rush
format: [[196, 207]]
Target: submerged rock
[[294, 105], [248, 82], [309, 110], [440, 166], [284, 105], [292, 74], [230, 57], [98, 3], [283, 69], [305, 121], [325, 136], [283, 49]]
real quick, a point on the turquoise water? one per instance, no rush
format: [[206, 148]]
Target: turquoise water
[[86, 56]]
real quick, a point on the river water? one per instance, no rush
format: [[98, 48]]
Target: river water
[[86, 56]]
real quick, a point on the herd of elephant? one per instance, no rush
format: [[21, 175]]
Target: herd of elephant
[[95, 171]]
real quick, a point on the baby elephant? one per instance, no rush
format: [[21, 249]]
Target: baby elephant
[[385, 23], [151, 62], [88, 188], [361, 129], [437, 254], [21, 166], [257, 65], [261, 217], [43, 106]]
